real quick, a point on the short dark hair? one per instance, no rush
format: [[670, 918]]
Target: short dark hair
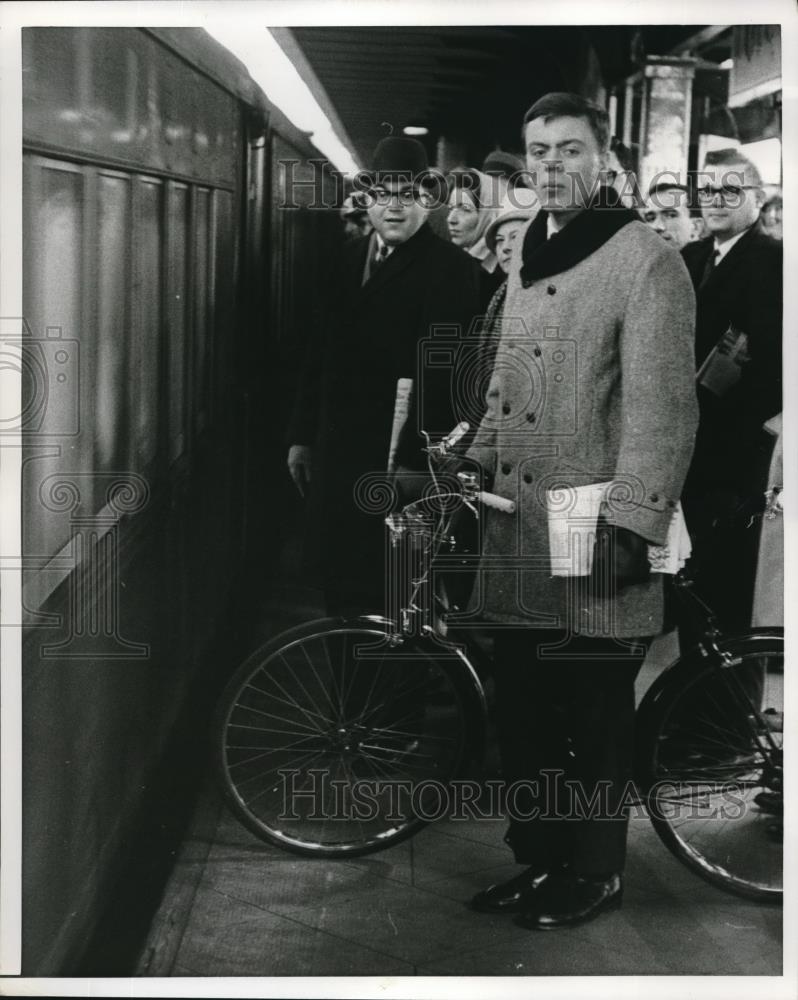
[[673, 185], [733, 157], [563, 105]]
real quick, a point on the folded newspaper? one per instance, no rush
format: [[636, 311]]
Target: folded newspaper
[[401, 411], [573, 513]]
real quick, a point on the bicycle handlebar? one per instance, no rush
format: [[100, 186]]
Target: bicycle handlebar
[[498, 503], [468, 480]]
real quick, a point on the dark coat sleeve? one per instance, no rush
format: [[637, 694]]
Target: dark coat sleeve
[[452, 307], [758, 394], [748, 295], [328, 313], [303, 424]]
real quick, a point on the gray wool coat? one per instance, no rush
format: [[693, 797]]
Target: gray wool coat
[[594, 381]]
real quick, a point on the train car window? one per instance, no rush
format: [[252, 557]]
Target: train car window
[[177, 313], [58, 417], [203, 294], [147, 316], [113, 317], [225, 267]]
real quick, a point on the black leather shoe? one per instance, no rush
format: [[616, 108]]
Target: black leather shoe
[[569, 901], [510, 896]]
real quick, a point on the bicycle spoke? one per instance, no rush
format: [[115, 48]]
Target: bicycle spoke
[[297, 761], [715, 742], [271, 715], [297, 677], [291, 702], [322, 687], [317, 705]]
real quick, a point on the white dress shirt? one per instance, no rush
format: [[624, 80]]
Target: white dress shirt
[[723, 248]]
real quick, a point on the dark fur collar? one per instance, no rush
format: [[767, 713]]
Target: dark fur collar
[[600, 221]]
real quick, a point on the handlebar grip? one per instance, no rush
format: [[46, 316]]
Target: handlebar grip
[[498, 503], [454, 436]]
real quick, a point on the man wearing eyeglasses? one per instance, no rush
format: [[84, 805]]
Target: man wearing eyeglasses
[[737, 275], [389, 292]]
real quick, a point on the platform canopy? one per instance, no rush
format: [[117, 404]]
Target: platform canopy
[[468, 86]]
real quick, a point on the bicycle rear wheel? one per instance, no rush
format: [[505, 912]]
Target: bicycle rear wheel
[[331, 741], [710, 741]]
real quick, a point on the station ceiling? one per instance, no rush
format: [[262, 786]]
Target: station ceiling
[[469, 84]]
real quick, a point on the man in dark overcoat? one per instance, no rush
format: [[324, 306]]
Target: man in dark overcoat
[[594, 383], [390, 293], [737, 276]]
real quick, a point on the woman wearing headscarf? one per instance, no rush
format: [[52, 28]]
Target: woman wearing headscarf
[[474, 200], [517, 210]]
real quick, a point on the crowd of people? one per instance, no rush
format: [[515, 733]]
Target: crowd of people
[[652, 329]]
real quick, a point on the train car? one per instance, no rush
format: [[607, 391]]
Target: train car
[[163, 288]]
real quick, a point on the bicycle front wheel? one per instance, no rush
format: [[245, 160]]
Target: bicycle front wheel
[[710, 740], [335, 742]]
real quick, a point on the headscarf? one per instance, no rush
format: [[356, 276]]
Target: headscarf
[[487, 193]]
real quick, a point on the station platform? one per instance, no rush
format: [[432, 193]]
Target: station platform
[[235, 906]]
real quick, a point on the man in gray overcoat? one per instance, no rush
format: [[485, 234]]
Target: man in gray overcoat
[[594, 383]]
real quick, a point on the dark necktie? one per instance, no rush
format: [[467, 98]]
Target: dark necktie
[[709, 267], [380, 257]]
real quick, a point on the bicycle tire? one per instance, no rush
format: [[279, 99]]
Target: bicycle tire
[[329, 713], [704, 757]]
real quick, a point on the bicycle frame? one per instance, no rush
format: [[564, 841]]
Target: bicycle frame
[[712, 644]]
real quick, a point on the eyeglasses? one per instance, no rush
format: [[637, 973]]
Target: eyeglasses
[[381, 196], [728, 192]]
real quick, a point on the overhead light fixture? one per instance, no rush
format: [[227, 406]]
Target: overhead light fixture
[[415, 130], [277, 76]]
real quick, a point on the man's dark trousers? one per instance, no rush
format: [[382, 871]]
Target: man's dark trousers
[[570, 710]]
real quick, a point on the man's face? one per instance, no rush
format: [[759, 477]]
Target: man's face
[[505, 239], [565, 161], [397, 210], [667, 213], [730, 200]]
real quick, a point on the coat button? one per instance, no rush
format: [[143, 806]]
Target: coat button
[[654, 498], [530, 418], [551, 289], [507, 468], [527, 477], [538, 352], [506, 408]]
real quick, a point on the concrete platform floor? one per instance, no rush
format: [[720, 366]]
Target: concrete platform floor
[[237, 907]]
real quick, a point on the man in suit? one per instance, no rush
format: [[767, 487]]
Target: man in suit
[[389, 292], [737, 275], [593, 386]]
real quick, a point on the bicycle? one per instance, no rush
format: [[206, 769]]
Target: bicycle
[[331, 739], [709, 751]]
